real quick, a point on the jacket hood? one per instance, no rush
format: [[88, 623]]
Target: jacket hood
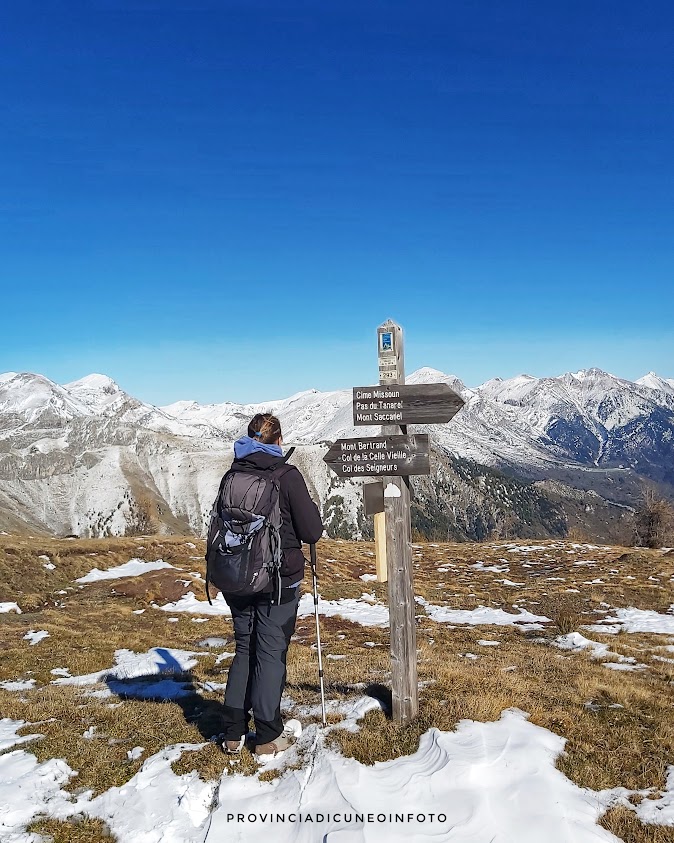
[[246, 445]]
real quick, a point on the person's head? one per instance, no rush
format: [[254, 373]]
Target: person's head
[[266, 428]]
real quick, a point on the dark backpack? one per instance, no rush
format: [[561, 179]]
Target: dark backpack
[[243, 548]]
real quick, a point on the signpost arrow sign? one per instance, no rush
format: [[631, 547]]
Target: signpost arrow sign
[[400, 404], [378, 456]]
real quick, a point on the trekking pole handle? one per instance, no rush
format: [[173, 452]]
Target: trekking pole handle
[[312, 554]]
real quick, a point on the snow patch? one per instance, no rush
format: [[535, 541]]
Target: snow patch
[[496, 569], [191, 604], [483, 615], [18, 685], [363, 611], [36, 637], [132, 568], [9, 735], [27, 789], [636, 620], [659, 811], [576, 643], [351, 710], [156, 805]]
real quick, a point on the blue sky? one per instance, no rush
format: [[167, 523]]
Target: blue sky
[[222, 201]]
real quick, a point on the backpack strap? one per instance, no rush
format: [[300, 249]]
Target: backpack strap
[[215, 506], [277, 473], [282, 469], [222, 484]]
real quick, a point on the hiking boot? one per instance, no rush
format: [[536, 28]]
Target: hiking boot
[[267, 751], [234, 747]]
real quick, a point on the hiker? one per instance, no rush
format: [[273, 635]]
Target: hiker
[[265, 620]]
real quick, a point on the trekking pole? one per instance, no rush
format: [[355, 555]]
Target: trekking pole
[[318, 630]]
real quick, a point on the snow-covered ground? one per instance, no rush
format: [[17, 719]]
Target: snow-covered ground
[[484, 781]]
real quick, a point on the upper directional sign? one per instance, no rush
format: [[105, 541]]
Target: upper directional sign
[[376, 456], [424, 403]]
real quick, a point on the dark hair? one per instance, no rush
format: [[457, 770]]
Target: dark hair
[[265, 428]]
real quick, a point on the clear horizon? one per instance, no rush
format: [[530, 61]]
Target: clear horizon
[[226, 201]]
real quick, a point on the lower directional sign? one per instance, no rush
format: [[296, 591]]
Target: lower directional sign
[[375, 456]]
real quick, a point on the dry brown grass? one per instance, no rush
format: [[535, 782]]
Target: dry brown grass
[[76, 830], [23, 577], [626, 826], [619, 726]]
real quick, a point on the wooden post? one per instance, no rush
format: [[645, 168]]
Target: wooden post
[[399, 547], [380, 546]]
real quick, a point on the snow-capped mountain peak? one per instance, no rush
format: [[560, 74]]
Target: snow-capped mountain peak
[[93, 382], [587, 374], [427, 375], [430, 375], [35, 400], [179, 407], [654, 381], [97, 391]]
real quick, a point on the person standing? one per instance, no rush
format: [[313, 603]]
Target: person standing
[[264, 622]]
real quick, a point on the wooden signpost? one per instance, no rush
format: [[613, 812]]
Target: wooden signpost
[[394, 457], [404, 683]]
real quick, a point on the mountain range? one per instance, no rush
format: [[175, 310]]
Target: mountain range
[[525, 456]]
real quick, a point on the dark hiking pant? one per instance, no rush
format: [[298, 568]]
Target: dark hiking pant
[[257, 674]]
